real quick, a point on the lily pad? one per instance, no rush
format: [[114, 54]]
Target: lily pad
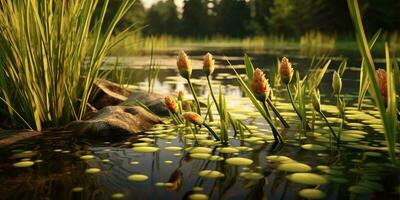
[[23, 164], [138, 177], [173, 148], [312, 194], [276, 158], [251, 175], [239, 161], [313, 147], [145, 149], [228, 150], [211, 174], [199, 150], [118, 196], [198, 197], [294, 167], [87, 157], [92, 170], [206, 156], [307, 178]]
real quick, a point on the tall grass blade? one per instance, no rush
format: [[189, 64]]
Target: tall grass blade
[[387, 116], [364, 81]]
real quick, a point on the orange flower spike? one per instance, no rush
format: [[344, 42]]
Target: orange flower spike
[[183, 64], [382, 82], [181, 95], [208, 64], [193, 118], [260, 85], [171, 104], [286, 70]]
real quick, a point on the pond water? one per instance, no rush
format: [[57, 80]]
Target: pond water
[[165, 163]]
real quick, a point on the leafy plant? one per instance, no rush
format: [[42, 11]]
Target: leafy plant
[[47, 64], [388, 110], [258, 106]]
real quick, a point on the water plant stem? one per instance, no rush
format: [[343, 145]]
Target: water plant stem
[[212, 93], [266, 109], [295, 108], [231, 120], [194, 96], [283, 121], [340, 115], [212, 131], [327, 122], [277, 135]]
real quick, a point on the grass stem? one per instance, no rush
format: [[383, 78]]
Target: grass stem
[[295, 108], [212, 131], [283, 121], [194, 96]]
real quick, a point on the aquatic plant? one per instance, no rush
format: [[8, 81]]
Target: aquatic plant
[[316, 102], [153, 71], [286, 74], [364, 80], [337, 88], [196, 119], [254, 100], [389, 112], [173, 108], [51, 52], [185, 70]]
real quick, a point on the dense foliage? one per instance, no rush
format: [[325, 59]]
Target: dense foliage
[[240, 18]]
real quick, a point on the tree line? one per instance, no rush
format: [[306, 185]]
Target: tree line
[[240, 18]]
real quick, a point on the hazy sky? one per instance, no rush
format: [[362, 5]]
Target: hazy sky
[[148, 3]]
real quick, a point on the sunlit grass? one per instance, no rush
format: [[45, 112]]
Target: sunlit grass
[[48, 65], [388, 110]]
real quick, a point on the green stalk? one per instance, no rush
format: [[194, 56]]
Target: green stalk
[[231, 120], [212, 93], [266, 109], [194, 96], [327, 122], [295, 108], [341, 115], [212, 132], [283, 121]]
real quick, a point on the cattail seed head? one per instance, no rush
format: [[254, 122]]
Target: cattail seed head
[[171, 104], [382, 83], [193, 118], [181, 95], [208, 64], [316, 100], [336, 83], [286, 70], [183, 64], [260, 85]]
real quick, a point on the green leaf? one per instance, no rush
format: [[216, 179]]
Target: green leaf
[[249, 68], [387, 118], [342, 67], [364, 82]]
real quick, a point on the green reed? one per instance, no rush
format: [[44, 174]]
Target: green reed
[[51, 52], [153, 71], [259, 107], [388, 110]]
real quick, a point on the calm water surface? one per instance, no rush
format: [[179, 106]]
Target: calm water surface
[[359, 169]]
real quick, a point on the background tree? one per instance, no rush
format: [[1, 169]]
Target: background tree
[[162, 18], [195, 20], [135, 15], [233, 18]]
